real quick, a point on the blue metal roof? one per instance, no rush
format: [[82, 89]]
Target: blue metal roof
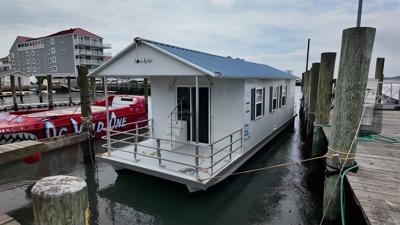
[[223, 66]]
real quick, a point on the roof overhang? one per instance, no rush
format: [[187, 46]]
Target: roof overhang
[[15, 73]]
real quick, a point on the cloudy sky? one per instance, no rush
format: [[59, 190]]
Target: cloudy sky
[[273, 32]]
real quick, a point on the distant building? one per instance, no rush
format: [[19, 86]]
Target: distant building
[[5, 64], [58, 54]]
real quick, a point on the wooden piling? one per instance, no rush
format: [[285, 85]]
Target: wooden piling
[[103, 83], [40, 87], [380, 63], [323, 106], [13, 92], [312, 105], [1, 89], [59, 200], [69, 90], [146, 92], [305, 103], [87, 120], [93, 88], [355, 57], [21, 96], [50, 91]]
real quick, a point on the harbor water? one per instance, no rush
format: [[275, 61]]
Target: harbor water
[[273, 196]]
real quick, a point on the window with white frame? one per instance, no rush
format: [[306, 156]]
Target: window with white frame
[[27, 53], [53, 59], [37, 53], [33, 61], [53, 50], [274, 98], [283, 100], [28, 69], [259, 100], [50, 69], [48, 51], [49, 60], [32, 53], [28, 61], [52, 41], [34, 69], [54, 68]]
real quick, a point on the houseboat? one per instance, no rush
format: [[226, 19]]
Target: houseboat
[[125, 113], [210, 113]]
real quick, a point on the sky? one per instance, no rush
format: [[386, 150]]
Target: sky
[[272, 32]]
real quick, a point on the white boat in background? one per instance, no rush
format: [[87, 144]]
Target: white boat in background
[[210, 113]]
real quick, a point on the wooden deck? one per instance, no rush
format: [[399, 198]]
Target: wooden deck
[[7, 220], [376, 185]]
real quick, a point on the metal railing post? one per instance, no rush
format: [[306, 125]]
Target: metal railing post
[[158, 152], [241, 140], [197, 160], [230, 147], [391, 90], [136, 140], [212, 159]]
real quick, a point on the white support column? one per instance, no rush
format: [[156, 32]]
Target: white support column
[[107, 118], [197, 109]]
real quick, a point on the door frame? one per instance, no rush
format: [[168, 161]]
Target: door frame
[[191, 110]]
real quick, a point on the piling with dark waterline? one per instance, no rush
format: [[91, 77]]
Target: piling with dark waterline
[[312, 104], [87, 120], [21, 96], [69, 90], [13, 92]]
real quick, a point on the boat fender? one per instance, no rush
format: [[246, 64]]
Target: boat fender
[[33, 158]]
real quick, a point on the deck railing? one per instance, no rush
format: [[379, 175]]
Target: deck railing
[[224, 147], [390, 92]]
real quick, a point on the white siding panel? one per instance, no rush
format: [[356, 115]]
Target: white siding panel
[[161, 65]]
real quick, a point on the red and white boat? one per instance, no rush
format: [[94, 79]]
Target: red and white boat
[[124, 111]]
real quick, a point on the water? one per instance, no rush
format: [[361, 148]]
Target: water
[[275, 196]]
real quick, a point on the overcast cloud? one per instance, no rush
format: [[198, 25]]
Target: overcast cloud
[[270, 32]]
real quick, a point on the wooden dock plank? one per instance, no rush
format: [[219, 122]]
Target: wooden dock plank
[[376, 185], [7, 220]]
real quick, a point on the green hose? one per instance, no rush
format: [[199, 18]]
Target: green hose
[[342, 190]]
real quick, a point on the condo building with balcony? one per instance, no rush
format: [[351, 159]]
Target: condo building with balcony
[[58, 54]]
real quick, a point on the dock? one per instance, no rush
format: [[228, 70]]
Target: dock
[[7, 220], [376, 185], [36, 105], [18, 150]]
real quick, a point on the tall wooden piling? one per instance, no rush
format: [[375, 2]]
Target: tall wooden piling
[[50, 91], [59, 200], [323, 107], [69, 90], [93, 88], [380, 63], [146, 92], [312, 105], [40, 88], [21, 96], [87, 120], [305, 103], [355, 58], [13, 92]]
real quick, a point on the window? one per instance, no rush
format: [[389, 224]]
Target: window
[[27, 61], [12, 55], [54, 68], [33, 61], [48, 51], [53, 59], [53, 50], [28, 69], [34, 69], [257, 103], [32, 53], [27, 53], [37, 53], [273, 98], [284, 89], [13, 62], [49, 60], [52, 41], [50, 69], [37, 61]]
